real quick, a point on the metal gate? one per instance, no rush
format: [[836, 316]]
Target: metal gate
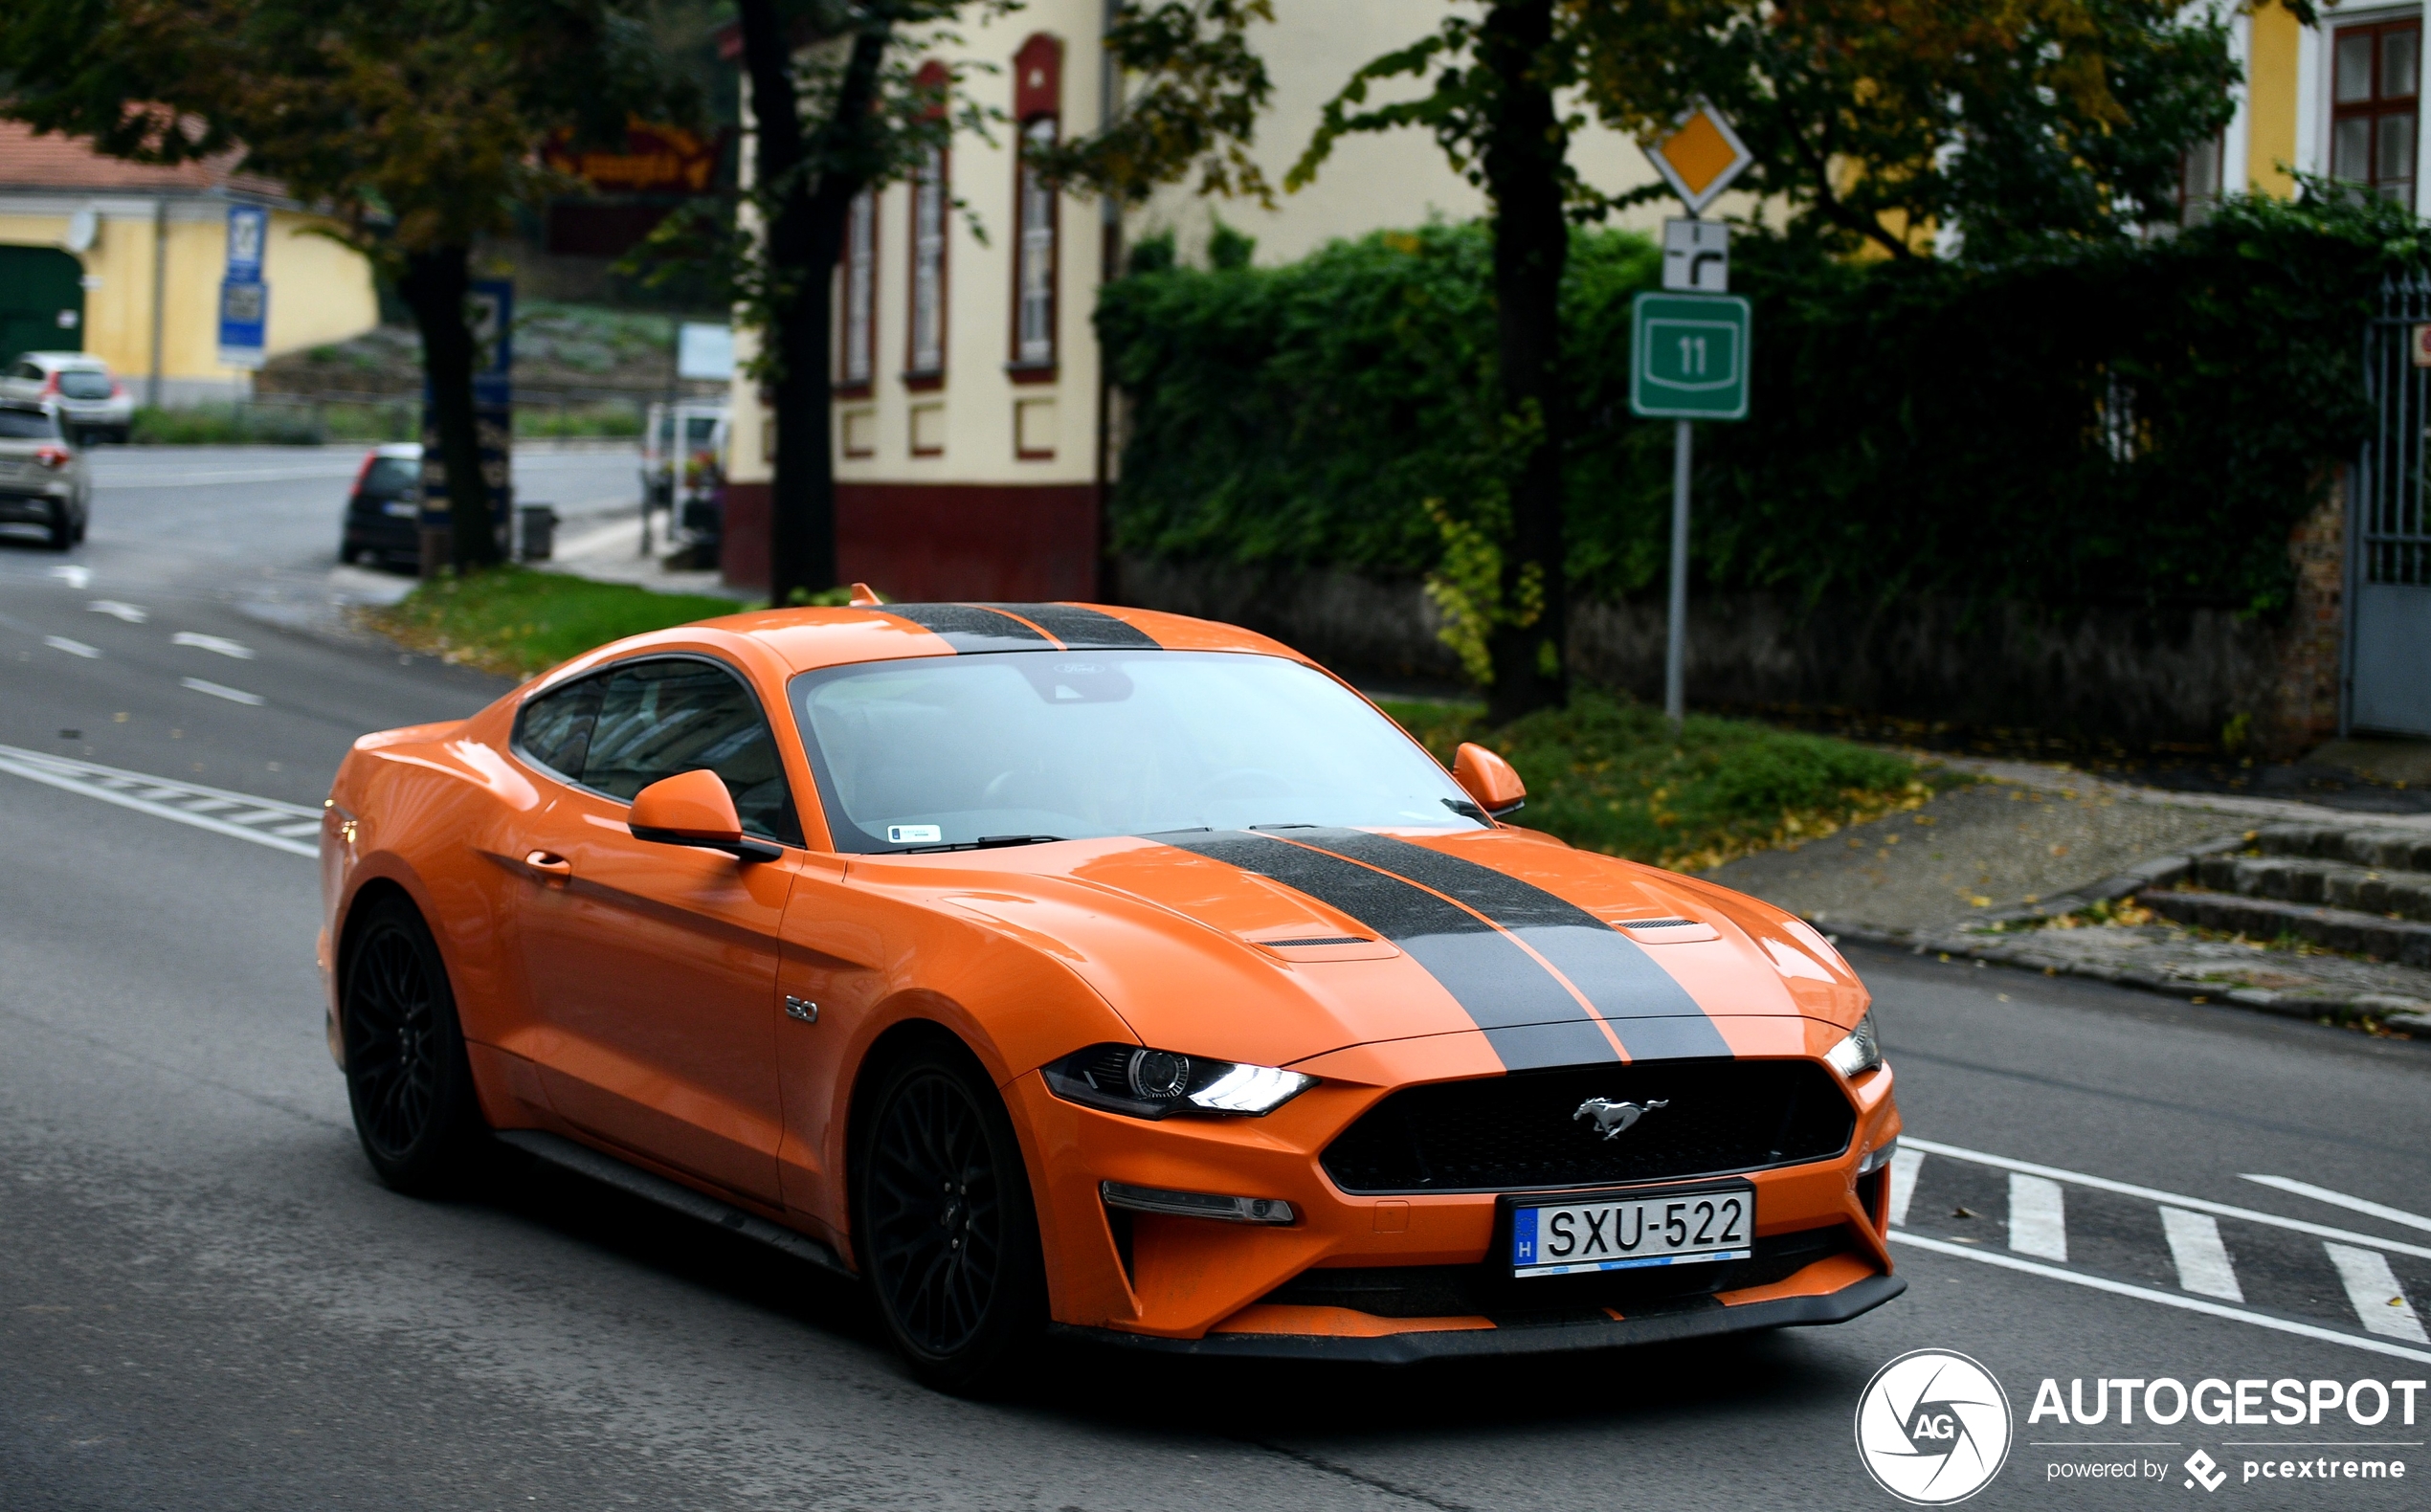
[[2389, 524]]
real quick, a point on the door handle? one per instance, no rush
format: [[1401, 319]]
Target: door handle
[[549, 864]]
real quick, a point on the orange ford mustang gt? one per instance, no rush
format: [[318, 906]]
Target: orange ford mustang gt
[[1113, 972]]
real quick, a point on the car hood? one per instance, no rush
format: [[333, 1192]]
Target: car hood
[[1277, 945]]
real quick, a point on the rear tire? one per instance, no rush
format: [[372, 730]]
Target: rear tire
[[62, 526], [944, 1222], [408, 1081]]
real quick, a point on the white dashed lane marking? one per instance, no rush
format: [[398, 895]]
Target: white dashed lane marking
[[214, 643], [132, 613], [74, 648], [220, 690], [2198, 1254], [280, 826]]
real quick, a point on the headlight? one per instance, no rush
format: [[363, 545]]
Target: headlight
[[1861, 1052], [1159, 1083]]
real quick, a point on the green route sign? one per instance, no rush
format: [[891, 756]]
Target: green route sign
[[1689, 357]]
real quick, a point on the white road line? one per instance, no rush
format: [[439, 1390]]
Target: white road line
[[2373, 1291], [48, 770], [221, 691], [2077, 1178], [2177, 1299], [218, 643], [74, 576], [1904, 1163], [2202, 1259], [252, 475], [2038, 1220], [132, 613], [2339, 1199], [74, 648]]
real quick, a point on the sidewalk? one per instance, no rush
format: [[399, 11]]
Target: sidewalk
[[1981, 873], [605, 545]]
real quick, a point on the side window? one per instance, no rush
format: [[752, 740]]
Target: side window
[[657, 719], [555, 729]]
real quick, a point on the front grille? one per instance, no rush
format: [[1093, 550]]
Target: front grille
[[1489, 1290], [1519, 1133]]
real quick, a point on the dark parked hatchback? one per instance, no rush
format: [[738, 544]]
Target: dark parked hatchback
[[381, 509]]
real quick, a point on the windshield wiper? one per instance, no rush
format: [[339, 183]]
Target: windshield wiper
[[1466, 810], [986, 842]]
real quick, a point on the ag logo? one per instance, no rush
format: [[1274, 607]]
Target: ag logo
[[1933, 1426]]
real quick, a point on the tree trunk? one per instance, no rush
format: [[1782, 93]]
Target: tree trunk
[[805, 211], [1531, 242], [435, 286]]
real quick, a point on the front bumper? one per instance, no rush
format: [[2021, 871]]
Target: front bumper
[[1710, 1317], [1294, 1290]]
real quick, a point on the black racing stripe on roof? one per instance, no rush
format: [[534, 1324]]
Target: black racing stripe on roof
[[1083, 628], [1531, 1021], [1652, 1012], [970, 626]]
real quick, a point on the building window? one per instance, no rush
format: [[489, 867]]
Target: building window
[[1037, 102], [926, 358], [2374, 91], [2198, 181], [861, 290]]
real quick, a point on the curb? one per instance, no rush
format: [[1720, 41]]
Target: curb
[[2407, 1013]]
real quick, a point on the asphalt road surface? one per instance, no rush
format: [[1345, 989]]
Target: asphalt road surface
[[206, 1301]]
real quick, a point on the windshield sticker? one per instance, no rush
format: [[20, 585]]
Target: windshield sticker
[[914, 834]]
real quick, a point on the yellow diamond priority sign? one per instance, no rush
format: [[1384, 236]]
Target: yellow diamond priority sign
[[1700, 157]]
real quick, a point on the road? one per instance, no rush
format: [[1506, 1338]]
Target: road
[[206, 1300]]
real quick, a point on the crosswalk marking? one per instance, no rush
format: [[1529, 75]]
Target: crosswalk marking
[[2038, 1218], [2339, 1199], [2077, 1178], [2201, 1259], [1904, 1163], [2372, 1289], [288, 827]]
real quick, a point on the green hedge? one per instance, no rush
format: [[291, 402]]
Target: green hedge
[[2124, 422]]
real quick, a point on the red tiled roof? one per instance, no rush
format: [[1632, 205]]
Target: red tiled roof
[[53, 162]]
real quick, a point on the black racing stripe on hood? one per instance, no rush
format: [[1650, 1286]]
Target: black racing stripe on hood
[[1653, 1014], [1082, 629], [1531, 1021], [968, 627]]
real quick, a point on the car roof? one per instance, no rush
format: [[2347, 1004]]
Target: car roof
[[406, 449], [805, 639], [64, 359]]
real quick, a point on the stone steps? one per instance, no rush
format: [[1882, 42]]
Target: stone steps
[[2405, 941], [2304, 879], [2385, 849]]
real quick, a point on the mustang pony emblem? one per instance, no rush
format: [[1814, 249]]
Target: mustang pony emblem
[[1612, 1119]]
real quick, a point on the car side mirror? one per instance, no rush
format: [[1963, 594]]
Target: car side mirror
[[1488, 779], [693, 807]]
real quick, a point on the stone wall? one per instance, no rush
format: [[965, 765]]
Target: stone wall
[[2144, 678]]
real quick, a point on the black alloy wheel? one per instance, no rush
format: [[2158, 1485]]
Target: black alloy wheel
[[406, 1078], [947, 1234]]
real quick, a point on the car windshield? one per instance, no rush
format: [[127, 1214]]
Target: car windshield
[[957, 751], [390, 476], [85, 383], [28, 424]]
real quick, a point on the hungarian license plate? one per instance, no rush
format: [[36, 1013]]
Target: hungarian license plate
[[1621, 1232]]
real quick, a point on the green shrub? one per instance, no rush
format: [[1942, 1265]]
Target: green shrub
[[2124, 422]]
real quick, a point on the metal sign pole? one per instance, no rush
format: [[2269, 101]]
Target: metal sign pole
[[1675, 656]]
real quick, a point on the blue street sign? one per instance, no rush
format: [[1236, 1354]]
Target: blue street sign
[[244, 322], [248, 238]]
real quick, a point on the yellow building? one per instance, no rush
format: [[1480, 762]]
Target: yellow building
[[2339, 98], [125, 261]]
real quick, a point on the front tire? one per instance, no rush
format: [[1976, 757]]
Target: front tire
[[944, 1221], [408, 1081]]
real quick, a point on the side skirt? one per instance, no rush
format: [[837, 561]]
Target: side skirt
[[582, 1160]]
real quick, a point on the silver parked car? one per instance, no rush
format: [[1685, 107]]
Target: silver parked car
[[93, 403], [43, 479]]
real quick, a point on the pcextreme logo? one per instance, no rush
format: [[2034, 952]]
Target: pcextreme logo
[[1933, 1426]]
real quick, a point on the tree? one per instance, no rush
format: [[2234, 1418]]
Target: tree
[[415, 124], [1873, 119], [840, 103], [2009, 121]]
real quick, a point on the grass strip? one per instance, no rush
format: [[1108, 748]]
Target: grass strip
[[1610, 775], [515, 621]]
